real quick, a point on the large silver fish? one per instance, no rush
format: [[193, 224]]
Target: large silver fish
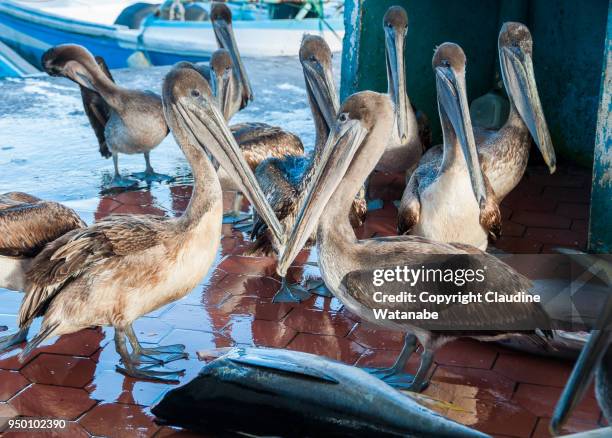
[[276, 392]]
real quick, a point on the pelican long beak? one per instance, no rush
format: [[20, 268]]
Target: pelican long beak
[[320, 83], [204, 122], [582, 375], [76, 72], [224, 34], [452, 99], [518, 75], [396, 75], [222, 88], [342, 144]]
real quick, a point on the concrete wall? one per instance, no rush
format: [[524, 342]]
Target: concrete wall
[[568, 45]]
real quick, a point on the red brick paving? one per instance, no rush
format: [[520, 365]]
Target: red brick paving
[[495, 390]]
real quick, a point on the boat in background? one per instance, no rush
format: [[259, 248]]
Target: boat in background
[[12, 65], [31, 27]]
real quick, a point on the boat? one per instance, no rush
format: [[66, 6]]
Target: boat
[[30, 28], [12, 65]]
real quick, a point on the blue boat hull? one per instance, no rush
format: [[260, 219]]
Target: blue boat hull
[[31, 40], [31, 32]]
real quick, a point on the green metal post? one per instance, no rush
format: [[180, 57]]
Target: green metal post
[[600, 230]]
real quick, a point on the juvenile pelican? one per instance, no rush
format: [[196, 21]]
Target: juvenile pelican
[[503, 154], [135, 123], [450, 200], [221, 18], [406, 145], [258, 141], [27, 224], [349, 265], [285, 181], [125, 266], [596, 358]]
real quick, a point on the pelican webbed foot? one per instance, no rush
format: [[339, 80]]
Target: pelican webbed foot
[[147, 373], [317, 287], [149, 175], [121, 182], [152, 176], [9, 341], [159, 355], [395, 376], [291, 293], [156, 356]]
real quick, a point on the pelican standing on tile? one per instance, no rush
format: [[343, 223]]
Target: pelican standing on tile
[[132, 121], [126, 266], [286, 180], [348, 265], [503, 154], [595, 359], [27, 224], [451, 200]]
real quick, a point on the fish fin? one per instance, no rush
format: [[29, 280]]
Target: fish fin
[[276, 364]]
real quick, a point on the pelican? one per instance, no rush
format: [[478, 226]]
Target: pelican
[[596, 358], [503, 154], [231, 85], [451, 200], [27, 224], [125, 266], [410, 136], [221, 18], [286, 180], [258, 141], [135, 123], [348, 265]]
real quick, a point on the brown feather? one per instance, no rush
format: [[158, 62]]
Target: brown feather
[[259, 141], [68, 257], [97, 110], [490, 216], [27, 224]]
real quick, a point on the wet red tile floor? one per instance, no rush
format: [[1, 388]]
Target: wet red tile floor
[[496, 390]]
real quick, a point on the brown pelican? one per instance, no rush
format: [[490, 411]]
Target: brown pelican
[[221, 18], [451, 200], [596, 358], [258, 141], [135, 123], [406, 145], [349, 265], [125, 266], [503, 154], [286, 180], [27, 224]]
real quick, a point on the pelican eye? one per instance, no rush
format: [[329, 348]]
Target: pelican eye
[[343, 117], [445, 63], [195, 93], [312, 58]]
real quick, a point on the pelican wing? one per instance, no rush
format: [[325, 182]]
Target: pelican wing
[[73, 254], [484, 319], [11, 199], [424, 128], [281, 193], [97, 110], [259, 141], [410, 206], [26, 227]]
